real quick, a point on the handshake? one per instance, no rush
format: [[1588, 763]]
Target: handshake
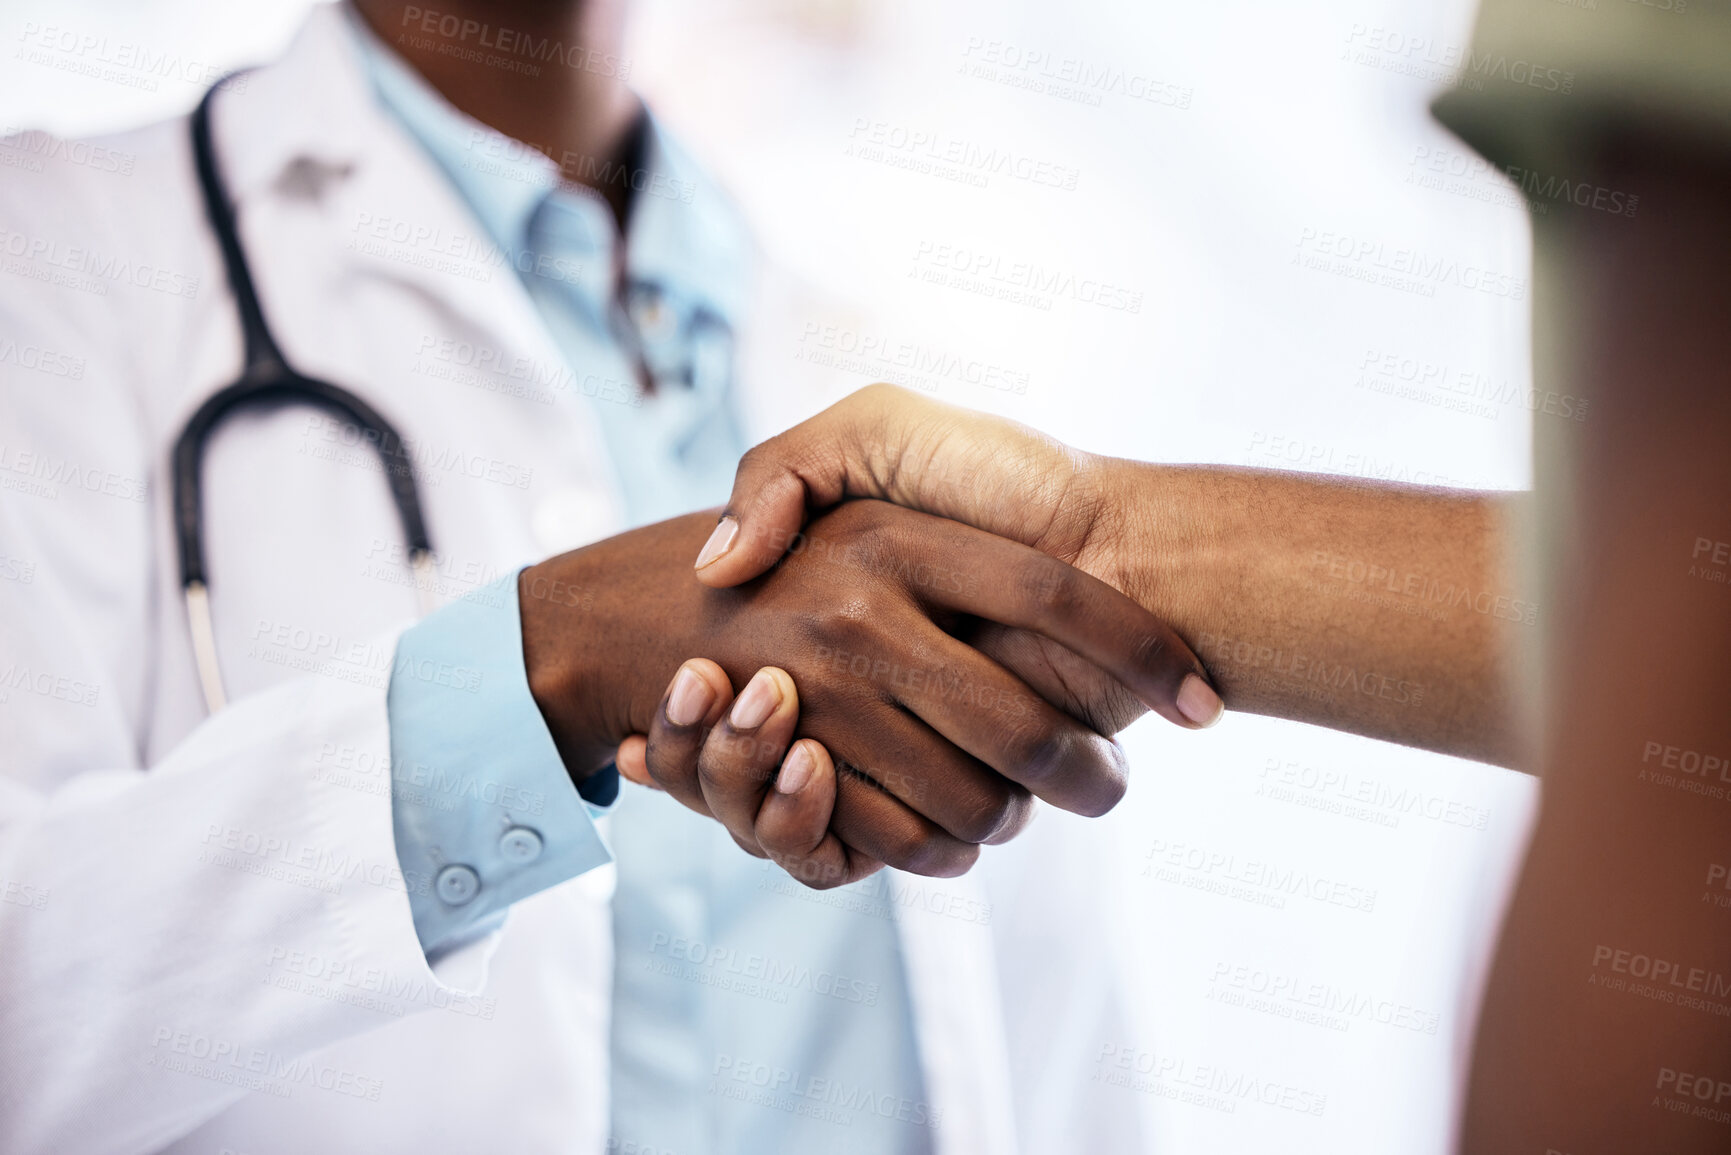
[[916, 667]]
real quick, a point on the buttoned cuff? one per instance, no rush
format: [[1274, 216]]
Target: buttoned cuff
[[480, 801]]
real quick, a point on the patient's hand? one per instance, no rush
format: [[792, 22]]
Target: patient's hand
[[889, 443], [943, 748]]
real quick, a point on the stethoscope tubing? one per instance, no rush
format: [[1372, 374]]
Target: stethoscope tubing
[[266, 379]]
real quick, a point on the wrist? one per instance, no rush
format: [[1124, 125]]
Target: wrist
[[1155, 534], [559, 664], [604, 629]]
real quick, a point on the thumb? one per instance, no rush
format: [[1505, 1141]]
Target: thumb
[[848, 450]]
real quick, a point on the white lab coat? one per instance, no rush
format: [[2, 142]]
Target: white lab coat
[[205, 943]]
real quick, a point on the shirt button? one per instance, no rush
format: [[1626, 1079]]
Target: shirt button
[[457, 884], [520, 845]]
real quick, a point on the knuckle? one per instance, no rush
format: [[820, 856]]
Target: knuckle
[[749, 846], [930, 854], [989, 815], [1018, 811], [1037, 752], [814, 873], [755, 458], [1051, 588], [1153, 649], [903, 846], [914, 849], [851, 626], [668, 763], [731, 762], [786, 841], [1107, 779], [1108, 791]]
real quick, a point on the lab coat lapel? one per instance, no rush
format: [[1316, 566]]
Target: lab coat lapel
[[947, 947], [309, 129], [315, 165]]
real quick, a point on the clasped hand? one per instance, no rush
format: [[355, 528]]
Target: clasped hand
[[909, 684]]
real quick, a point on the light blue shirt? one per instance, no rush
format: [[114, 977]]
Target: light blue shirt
[[751, 1016]]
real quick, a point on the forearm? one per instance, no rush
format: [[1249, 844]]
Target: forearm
[[1380, 609], [1604, 1022]]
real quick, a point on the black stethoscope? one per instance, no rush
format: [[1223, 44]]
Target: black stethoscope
[[265, 378]]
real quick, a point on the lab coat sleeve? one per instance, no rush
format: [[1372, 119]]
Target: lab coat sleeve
[[176, 936], [481, 802], [178, 929]]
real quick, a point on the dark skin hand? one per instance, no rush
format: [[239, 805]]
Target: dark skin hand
[[792, 820], [939, 747]]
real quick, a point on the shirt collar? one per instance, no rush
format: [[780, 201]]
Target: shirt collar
[[685, 237]]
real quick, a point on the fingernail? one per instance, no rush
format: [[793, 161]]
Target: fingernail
[[796, 771], [755, 705], [720, 541], [1198, 702], [689, 699]]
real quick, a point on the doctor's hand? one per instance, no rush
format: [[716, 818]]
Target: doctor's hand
[[889, 443], [943, 748], [784, 790]]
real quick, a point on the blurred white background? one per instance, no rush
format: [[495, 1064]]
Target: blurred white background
[[1190, 159]]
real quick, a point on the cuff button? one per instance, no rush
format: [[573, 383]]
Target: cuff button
[[520, 845], [457, 885]]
